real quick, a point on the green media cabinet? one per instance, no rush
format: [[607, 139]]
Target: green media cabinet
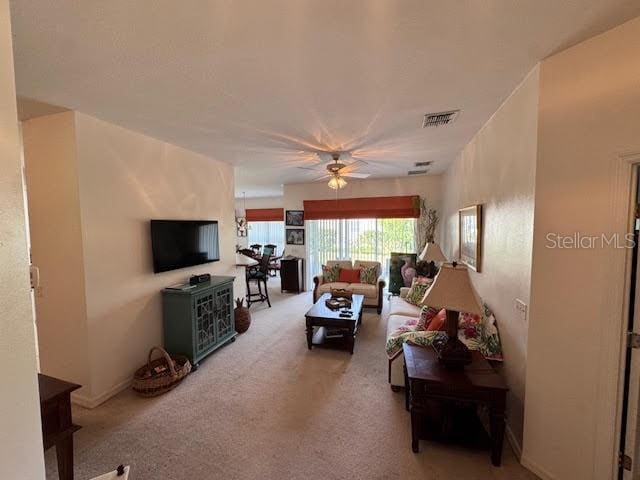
[[198, 320]]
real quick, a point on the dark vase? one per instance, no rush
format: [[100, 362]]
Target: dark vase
[[242, 316]]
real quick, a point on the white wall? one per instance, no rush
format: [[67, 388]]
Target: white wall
[[51, 168], [126, 179], [427, 186], [258, 202], [497, 169], [21, 455], [123, 179], [589, 115]]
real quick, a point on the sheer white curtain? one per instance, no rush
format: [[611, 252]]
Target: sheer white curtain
[[265, 233], [357, 239]]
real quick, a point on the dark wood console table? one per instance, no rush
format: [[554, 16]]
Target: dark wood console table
[[478, 384], [291, 274], [57, 427]]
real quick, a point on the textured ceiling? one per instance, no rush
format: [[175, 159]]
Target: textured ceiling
[[261, 84]]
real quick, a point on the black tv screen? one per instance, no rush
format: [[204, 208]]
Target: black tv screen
[[183, 243]]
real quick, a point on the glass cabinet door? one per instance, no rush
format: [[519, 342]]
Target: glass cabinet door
[[224, 311], [204, 314]]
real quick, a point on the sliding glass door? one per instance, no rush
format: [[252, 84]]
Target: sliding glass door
[[265, 233], [357, 239]]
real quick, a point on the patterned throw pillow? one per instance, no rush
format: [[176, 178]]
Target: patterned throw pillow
[[481, 333], [417, 291], [330, 274], [369, 274], [426, 315]]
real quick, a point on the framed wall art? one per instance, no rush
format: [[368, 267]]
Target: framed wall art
[[294, 236], [294, 218], [470, 236]]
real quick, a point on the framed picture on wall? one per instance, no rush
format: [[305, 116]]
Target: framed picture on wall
[[470, 236], [295, 236], [295, 218]]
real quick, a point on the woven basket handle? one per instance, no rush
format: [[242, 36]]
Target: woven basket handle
[[166, 357]]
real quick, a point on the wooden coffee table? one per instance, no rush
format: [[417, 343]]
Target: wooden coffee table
[[322, 316]]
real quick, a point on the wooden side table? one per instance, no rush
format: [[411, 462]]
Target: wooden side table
[[291, 274], [478, 384], [57, 426]]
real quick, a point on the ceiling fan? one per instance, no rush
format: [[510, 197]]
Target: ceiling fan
[[337, 171]]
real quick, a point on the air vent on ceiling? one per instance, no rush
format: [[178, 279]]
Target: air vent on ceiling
[[417, 172], [422, 164], [440, 118]]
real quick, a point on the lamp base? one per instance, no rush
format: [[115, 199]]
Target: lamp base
[[453, 354]]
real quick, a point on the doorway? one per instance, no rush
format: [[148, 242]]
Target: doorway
[[629, 452]]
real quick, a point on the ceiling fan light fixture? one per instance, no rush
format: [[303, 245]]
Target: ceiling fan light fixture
[[337, 182]]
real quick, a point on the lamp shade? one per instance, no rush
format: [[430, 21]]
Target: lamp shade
[[452, 290], [432, 253]]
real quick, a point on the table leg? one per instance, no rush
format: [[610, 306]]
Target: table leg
[[407, 393], [64, 453], [415, 438], [352, 340], [497, 437], [309, 336]]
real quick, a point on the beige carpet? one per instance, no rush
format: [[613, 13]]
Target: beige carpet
[[265, 407]]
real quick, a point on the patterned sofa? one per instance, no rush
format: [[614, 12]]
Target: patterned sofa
[[400, 312], [477, 332], [372, 293]]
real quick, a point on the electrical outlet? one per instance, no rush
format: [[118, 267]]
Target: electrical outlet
[[521, 307]]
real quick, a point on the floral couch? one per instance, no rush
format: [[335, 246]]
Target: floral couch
[[403, 325]]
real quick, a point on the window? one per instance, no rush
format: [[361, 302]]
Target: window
[[357, 239], [265, 233]]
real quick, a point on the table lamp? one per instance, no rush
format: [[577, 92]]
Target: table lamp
[[432, 254], [453, 291]]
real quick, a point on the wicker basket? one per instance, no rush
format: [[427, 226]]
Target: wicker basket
[[160, 375]]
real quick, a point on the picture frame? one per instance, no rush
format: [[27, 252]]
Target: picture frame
[[294, 218], [294, 236], [470, 237]]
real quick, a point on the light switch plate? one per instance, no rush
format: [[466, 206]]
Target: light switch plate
[[521, 307]]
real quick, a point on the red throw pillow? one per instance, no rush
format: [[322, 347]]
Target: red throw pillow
[[437, 323], [349, 275]]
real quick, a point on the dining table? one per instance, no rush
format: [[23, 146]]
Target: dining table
[[245, 261]]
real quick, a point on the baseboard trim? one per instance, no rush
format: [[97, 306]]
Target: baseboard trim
[[92, 402], [535, 468], [513, 441]]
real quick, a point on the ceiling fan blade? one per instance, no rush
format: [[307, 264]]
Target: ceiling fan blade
[[319, 168], [355, 174], [317, 179], [353, 166]]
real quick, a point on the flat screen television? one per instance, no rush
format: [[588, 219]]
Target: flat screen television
[[183, 243]]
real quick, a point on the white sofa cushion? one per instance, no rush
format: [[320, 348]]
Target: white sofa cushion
[[326, 287], [369, 291], [399, 306], [396, 321]]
